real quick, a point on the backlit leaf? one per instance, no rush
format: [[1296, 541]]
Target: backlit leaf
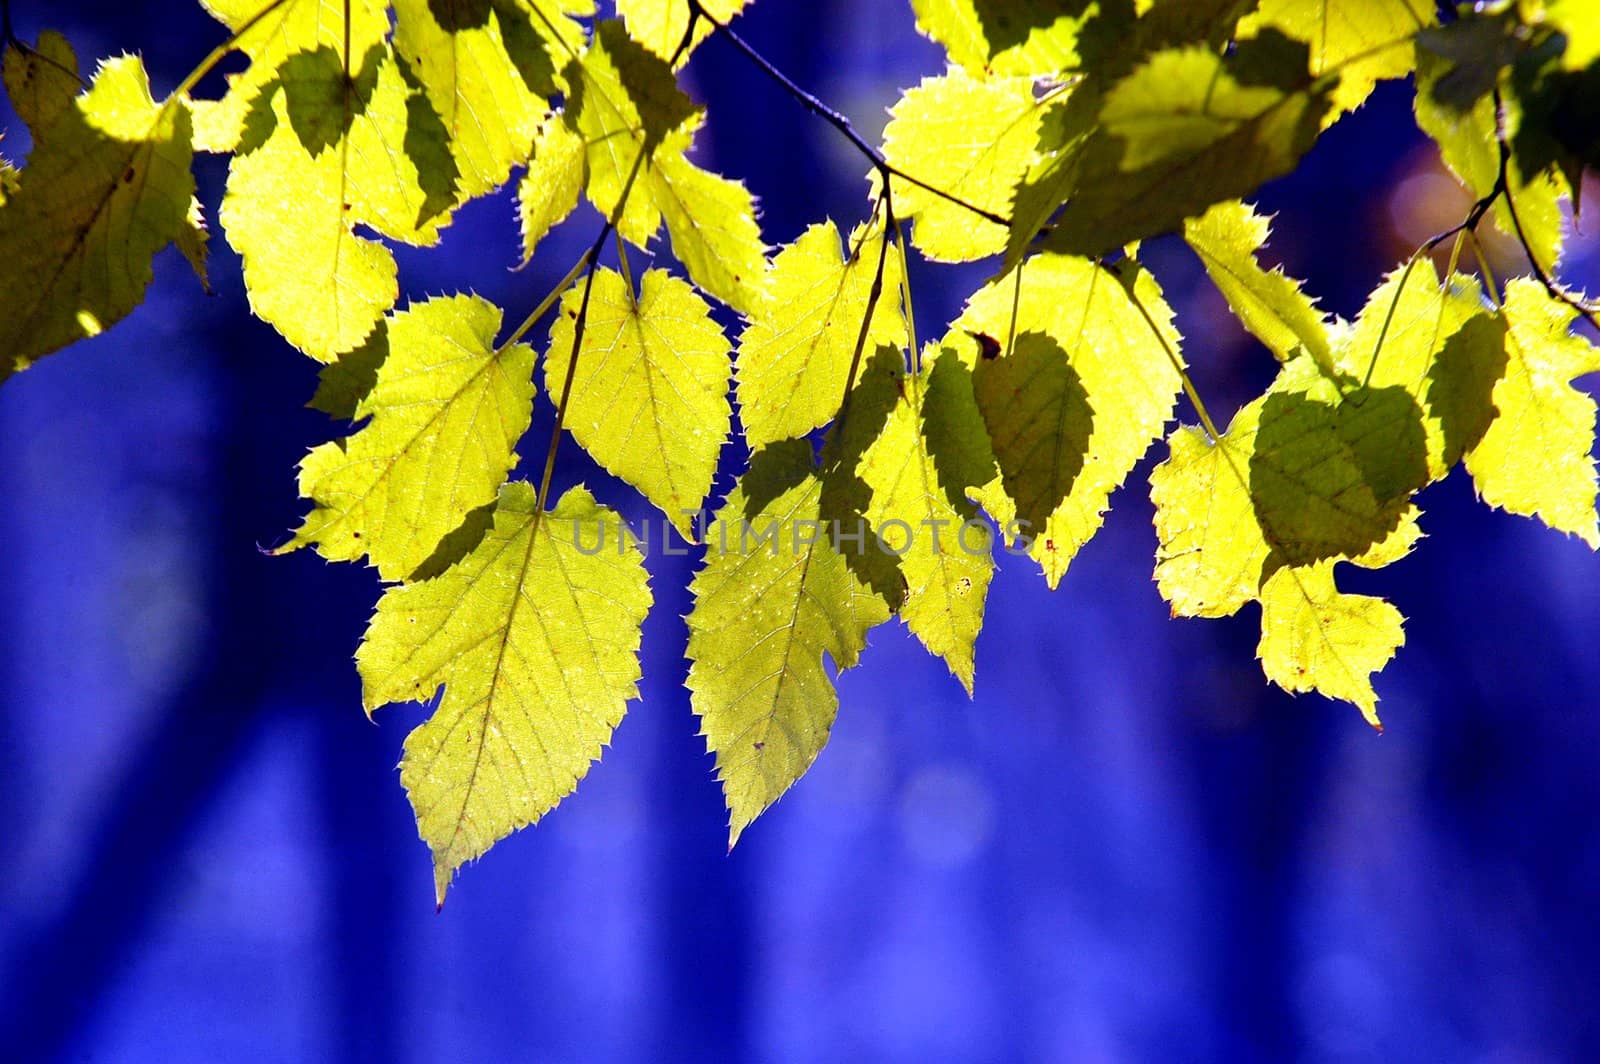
[[1085, 388], [775, 595], [535, 641], [447, 408], [794, 356], [1536, 457], [650, 399], [107, 185], [970, 138]]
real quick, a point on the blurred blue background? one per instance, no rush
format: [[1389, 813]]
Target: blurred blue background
[[1126, 847]]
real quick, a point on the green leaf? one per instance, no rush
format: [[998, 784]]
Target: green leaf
[[1441, 346], [323, 156], [446, 410], [1083, 391], [1363, 42], [535, 641], [775, 595], [1271, 305], [974, 139], [107, 185], [458, 53], [1536, 456], [931, 451], [549, 190], [627, 103], [1187, 129], [794, 355], [41, 81], [650, 402]]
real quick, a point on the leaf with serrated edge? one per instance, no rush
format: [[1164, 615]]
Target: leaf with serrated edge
[[763, 618], [1363, 41], [535, 640], [1536, 457], [712, 222], [293, 27], [446, 411], [973, 139], [107, 185], [488, 111], [1122, 370], [291, 210], [550, 189], [931, 450], [1316, 637], [659, 25], [650, 401], [795, 354], [1271, 305]]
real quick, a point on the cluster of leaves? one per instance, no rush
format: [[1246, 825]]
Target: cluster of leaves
[[1062, 133]]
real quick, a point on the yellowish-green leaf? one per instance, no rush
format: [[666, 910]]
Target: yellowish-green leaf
[[1216, 554], [293, 27], [1023, 37], [1362, 41], [974, 139], [550, 189], [1316, 638], [1212, 551], [325, 155], [446, 411], [1085, 389], [712, 221], [1188, 128], [535, 642], [775, 595], [659, 25], [41, 81], [1536, 456], [1469, 145], [458, 52], [650, 401], [1271, 305], [1579, 22], [794, 356], [107, 185], [932, 450], [626, 101], [1441, 346]]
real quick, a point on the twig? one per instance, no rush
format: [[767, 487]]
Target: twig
[[838, 121]]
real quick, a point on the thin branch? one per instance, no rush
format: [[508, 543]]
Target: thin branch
[[838, 121], [579, 325], [547, 302], [873, 295], [221, 51], [1590, 312], [1177, 364]]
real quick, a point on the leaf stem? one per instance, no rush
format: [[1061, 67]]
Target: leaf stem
[[579, 325], [905, 296], [221, 51], [547, 302], [1590, 312], [1172, 356], [837, 120], [873, 295]]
